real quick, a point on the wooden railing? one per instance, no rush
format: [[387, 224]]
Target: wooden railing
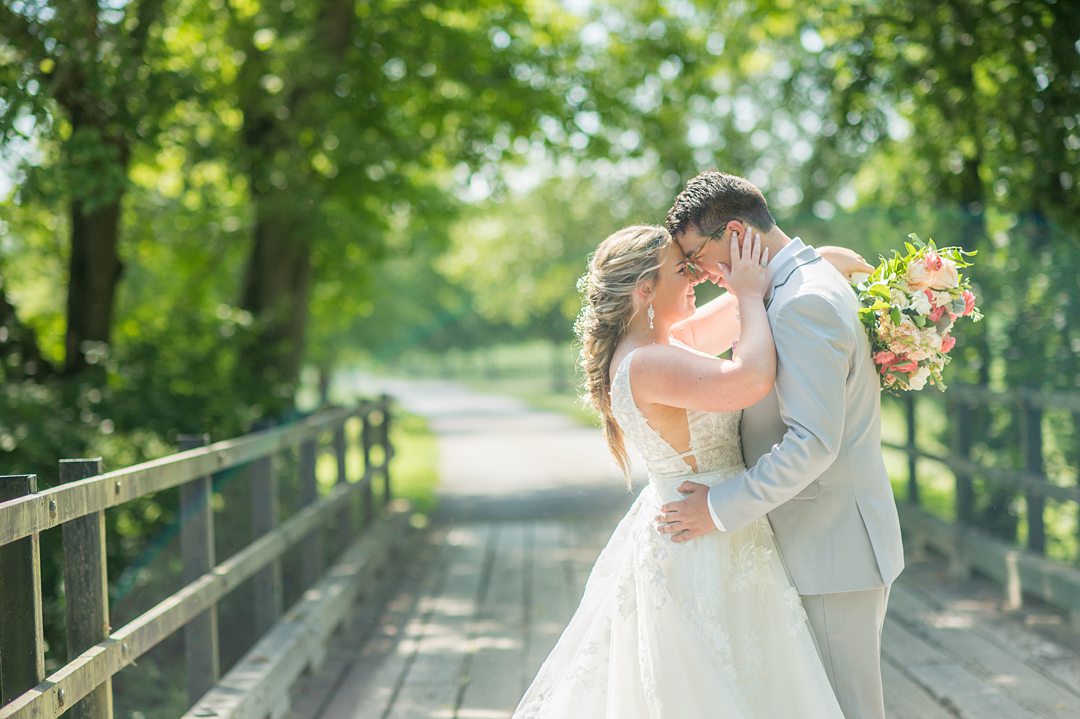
[[96, 652], [1020, 569]]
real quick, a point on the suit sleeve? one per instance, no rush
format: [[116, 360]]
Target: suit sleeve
[[813, 345]]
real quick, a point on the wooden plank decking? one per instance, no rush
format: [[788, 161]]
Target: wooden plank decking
[[484, 602], [480, 605]]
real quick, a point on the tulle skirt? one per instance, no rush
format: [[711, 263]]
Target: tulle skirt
[[707, 628]]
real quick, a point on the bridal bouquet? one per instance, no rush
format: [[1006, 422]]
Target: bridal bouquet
[[909, 305]]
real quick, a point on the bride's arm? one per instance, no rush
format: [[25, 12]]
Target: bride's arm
[[662, 374], [714, 327], [848, 262]]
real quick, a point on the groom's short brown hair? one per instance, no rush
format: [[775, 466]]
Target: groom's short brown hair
[[712, 199]]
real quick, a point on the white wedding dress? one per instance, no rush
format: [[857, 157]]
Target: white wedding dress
[[709, 628]]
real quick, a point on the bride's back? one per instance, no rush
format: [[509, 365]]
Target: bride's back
[[674, 442]]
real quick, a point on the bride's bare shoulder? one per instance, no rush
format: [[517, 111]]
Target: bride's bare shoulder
[[662, 360], [646, 357]]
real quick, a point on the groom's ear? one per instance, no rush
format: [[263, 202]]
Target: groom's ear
[[738, 227]]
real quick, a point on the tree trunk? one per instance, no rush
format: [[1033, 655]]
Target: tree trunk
[[277, 287], [278, 275], [94, 274]]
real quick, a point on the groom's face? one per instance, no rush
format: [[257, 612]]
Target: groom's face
[[707, 251]]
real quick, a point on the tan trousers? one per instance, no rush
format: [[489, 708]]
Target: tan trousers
[[847, 627]]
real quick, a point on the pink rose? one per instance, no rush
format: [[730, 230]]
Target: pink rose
[[936, 313], [918, 276], [884, 357], [969, 302], [933, 261], [946, 276], [947, 343]]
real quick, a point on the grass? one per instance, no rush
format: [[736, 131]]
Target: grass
[[414, 471], [537, 392]]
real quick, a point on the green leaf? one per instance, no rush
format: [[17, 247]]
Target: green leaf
[[880, 290]]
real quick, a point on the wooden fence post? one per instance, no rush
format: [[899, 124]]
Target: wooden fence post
[[86, 588], [201, 641], [1031, 421], [344, 530], [959, 567], [267, 584], [912, 457], [388, 449], [22, 645], [1076, 433], [312, 564], [965, 496], [369, 473]]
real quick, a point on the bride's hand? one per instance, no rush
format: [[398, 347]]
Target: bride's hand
[[848, 262], [746, 275]]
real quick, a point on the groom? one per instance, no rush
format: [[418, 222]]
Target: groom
[[812, 446]]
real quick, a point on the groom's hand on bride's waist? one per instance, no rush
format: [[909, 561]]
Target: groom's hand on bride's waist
[[688, 518]]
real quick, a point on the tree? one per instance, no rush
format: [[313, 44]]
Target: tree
[[353, 113], [84, 74]]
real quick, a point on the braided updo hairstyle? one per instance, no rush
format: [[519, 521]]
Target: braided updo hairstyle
[[620, 263]]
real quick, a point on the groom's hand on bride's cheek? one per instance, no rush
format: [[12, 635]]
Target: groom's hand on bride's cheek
[[689, 518]]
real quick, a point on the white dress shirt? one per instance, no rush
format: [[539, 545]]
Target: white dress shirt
[[786, 251]]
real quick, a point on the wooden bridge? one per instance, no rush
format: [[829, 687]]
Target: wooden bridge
[[452, 621]]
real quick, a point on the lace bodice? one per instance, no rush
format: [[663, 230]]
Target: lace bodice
[[714, 438]]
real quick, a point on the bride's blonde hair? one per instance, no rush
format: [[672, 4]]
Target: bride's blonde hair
[[621, 262]]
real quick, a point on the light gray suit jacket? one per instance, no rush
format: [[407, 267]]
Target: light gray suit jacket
[[813, 445]]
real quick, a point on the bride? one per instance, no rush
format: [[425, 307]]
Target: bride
[[710, 627]]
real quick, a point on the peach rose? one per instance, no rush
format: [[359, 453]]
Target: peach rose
[[919, 276], [945, 277]]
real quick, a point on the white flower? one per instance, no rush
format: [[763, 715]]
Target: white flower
[[857, 278], [898, 299], [920, 303], [918, 380], [931, 338]]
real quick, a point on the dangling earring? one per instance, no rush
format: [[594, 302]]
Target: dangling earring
[[650, 314]]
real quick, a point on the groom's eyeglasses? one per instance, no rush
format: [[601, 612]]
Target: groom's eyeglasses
[[693, 260]]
